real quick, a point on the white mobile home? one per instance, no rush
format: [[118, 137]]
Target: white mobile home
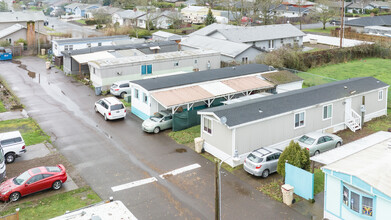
[[277, 119], [197, 89], [105, 72]]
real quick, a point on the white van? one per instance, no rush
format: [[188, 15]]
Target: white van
[[13, 145]]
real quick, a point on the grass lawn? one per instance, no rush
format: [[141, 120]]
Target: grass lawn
[[2, 108], [81, 21], [55, 205], [376, 67], [48, 28], [186, 136], [320, 30], [30, 130]]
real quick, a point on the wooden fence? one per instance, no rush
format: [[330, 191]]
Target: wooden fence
[[358, 36]]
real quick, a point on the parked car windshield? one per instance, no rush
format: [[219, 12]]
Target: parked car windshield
[[114, 86], [117, 107], [306, 140], [254, 158], [22, 178]]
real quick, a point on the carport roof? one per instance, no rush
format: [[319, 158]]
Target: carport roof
[[257, 109], [209, 90], [199, 77]]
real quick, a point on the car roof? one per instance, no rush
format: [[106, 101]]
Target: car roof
[[112, 100], [263, 151], [10, 134], [120, 82], [316, 135]]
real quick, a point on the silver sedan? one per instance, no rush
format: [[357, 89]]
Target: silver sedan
[[317, 142]]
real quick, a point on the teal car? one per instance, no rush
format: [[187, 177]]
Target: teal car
[[159, 121]]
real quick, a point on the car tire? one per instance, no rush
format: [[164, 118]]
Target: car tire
[[122, 95], [96, 109], [15, 196], [265, 173], [10, 157], [105, 117], [316, 153], [338, 145], [156, 130], [57, 185]]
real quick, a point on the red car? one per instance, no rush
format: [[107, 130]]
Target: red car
[[31, 181]]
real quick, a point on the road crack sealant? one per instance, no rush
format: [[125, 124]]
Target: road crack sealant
[[57, 94]]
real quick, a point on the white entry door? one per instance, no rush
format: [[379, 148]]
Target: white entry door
[[348, 108]]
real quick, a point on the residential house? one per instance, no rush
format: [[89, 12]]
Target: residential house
[[36, 18], [61, 45], [71, 7], [166, 36], [80, 10], [158, 20], [290, 11], [194, 14], [230, 51], [277, 119], [357, 181], [107, 71], [196, 90], [337, 5], [382, 6], [127, 18], [378, 30], [356, 7], [108, 10], [359, 24], [16, 32], [76, 61], [266, 37]]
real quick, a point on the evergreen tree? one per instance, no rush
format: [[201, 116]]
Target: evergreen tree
[[209, 18], [296, 156]]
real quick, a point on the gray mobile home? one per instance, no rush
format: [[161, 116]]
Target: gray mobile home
[[277, 119]]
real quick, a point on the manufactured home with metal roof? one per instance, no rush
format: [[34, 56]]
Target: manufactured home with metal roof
[[104, 72], [275, 120]]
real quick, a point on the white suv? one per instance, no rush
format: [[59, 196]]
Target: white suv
[[13, 145], [120, 88], [111, 108]]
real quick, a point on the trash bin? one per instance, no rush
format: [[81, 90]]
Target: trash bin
[[287, 194], [47, 65], [43, 52], [128, 98], [98, 90], [199, 144]]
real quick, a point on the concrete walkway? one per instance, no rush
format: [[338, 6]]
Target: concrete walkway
[[314, 210], [13, 115], [333, 41]]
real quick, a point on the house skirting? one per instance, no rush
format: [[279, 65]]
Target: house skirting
[[139, 113]]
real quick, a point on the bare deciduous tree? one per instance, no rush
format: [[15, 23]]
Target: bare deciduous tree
[[323, 12]]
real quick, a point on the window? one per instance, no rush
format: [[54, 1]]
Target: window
[[35, 178], [345, 198], [354, 201], [145, 98], [89, 45], [146, 69], [282, 41], [367, 206], [55, 46], [299, 119], [321, 140], [136, 93], [66, 47], [195, 61], [125, 85], [244, 59], [99, 44], [93, 70], [270, 158], [70, 47], [176, 63], [380, 95], [271, 44], [327, 111], [208, 125]]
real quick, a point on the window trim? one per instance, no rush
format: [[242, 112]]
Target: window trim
[[331, 113], [378, 95], [145, 98], [360, 194], [211, 126], [294, 120]]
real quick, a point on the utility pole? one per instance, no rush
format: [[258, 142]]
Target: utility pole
[[217, 198], [341, 33]]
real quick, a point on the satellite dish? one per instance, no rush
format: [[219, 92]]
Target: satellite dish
[[223, 120]]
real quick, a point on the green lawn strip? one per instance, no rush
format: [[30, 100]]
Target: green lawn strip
[[186, 136], [55, 205], [126, 104], [30, 130], [2, 107], [320, 30], [48, 28], [376, 67], [81, 21], [318, 181]]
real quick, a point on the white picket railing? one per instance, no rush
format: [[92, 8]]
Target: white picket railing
[[353, 121]]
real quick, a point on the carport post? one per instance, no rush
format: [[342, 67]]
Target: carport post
[[217, 198], [312, 166]]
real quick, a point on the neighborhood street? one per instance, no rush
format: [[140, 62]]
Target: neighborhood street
[[151, 174]]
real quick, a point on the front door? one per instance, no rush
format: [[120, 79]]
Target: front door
[[348, 109]]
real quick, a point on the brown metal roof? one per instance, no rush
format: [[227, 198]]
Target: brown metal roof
[[179, 96], [247, 83]]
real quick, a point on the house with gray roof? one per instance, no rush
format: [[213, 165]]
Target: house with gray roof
[[16, 32], [127, 17], [7, 19], [275, 120], [359, 24], [230, 51], [265, 37]]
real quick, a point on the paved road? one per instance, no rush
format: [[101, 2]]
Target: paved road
[[109, 154], [77, 31]]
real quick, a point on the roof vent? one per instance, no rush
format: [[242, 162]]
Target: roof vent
[[352, 92], [345, 87], [233, 68], [378, 81], [259, 110]]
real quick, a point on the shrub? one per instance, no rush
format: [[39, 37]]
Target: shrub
[[296, 156], [90, 22], [4, 43]]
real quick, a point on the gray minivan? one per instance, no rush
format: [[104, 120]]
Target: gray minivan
[[262, 161]]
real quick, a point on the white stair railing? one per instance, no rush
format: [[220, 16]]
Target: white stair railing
[[353, 121]]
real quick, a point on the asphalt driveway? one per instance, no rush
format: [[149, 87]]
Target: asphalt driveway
[[117, 159]]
